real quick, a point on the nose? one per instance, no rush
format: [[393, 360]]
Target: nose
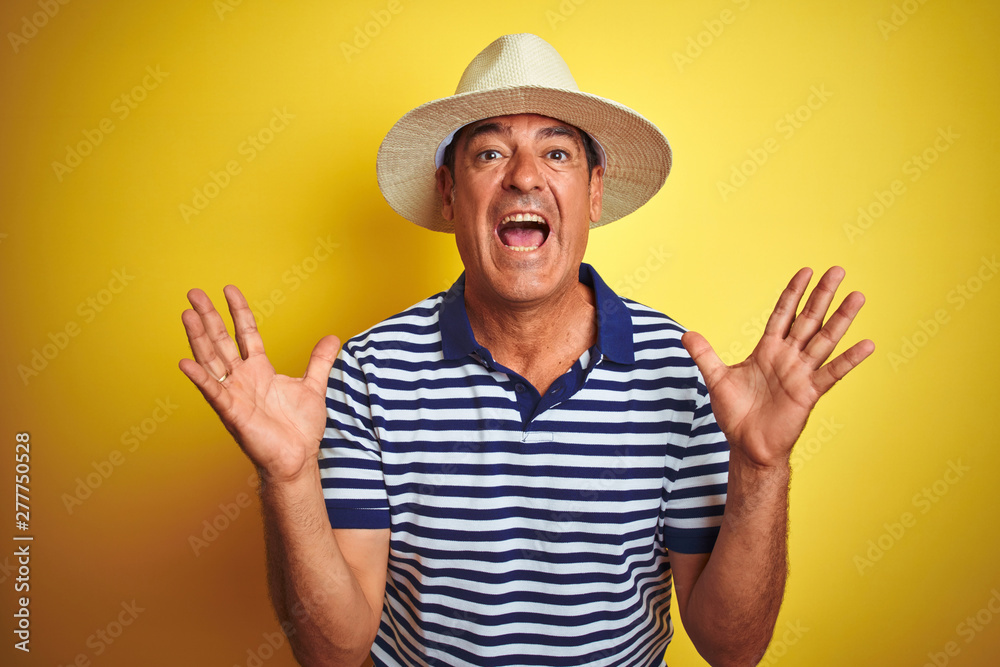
[[523, 173]]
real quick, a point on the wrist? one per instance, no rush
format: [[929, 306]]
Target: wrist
[[285, 482], [754, 467], [294, 505], [754, 487]]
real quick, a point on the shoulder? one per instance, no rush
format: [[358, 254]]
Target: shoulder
[[652, 329], [650, 320], [414, 330], [656, 344]]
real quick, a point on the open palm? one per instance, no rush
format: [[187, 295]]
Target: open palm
[[762, 403], [276, 419]]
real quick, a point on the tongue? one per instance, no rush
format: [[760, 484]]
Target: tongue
[[519, 237]]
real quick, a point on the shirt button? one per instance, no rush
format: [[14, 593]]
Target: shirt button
[[520, 388]]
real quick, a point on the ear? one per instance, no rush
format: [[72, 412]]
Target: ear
[[446, 187], [596, 192]]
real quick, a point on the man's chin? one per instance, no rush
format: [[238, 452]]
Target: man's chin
[[523, 283]]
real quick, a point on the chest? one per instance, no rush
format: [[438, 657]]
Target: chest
[[463, 466]]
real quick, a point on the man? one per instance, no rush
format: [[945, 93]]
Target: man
[[525, 469]]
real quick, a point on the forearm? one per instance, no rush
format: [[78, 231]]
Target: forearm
[[312, 587], [733, 606]]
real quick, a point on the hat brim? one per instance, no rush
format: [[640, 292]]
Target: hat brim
[[638, 155]]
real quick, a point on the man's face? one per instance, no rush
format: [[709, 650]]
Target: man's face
[[529, 167]]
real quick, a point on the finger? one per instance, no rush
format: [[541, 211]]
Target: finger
[[201, 345], [810, 320], [822, 344], [831, 373], [781, 317], [704, 356], [321, 362], [213, 390], [247, 336], [225, 348]]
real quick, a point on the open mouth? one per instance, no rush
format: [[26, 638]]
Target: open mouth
[[523, 232]]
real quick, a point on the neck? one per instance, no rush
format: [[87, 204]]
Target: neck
[[539, 341]]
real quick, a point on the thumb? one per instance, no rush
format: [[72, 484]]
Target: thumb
[[321, 361], [704, 356]]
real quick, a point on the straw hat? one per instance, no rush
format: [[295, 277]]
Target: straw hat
[[520, 74]]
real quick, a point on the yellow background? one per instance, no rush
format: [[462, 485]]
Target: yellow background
[[891, 429]]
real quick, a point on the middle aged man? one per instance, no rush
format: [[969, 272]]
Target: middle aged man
[[521, 470]]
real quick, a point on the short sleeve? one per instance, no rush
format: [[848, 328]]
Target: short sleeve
[[350, 458], [697, 473]]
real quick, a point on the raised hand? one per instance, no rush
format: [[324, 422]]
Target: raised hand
[[277, 420], [762, 403]]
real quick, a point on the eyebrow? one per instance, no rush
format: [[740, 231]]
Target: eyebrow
[[544, 133], [490, 128], [557, 131]]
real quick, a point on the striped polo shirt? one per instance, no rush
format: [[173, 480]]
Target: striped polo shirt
[[525, 529]]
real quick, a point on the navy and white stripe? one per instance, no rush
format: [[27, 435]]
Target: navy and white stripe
[[525, 529]]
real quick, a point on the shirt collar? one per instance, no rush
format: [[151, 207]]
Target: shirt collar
[[614, 324]]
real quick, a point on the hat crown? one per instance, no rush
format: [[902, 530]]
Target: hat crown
[[517, 60]]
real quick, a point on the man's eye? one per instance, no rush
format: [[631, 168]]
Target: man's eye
[[489, 154], [558, 155]]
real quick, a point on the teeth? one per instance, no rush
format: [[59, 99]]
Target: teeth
[[523, 217], [522, 248]]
